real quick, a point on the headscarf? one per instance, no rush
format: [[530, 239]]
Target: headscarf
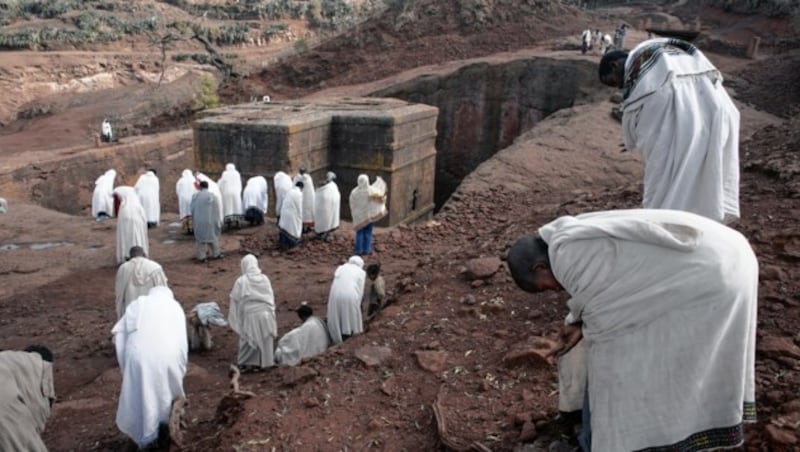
[[357, 261]]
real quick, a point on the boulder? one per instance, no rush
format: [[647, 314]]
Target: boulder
[[533, 352], [372, 355], [780, 436], [295, 375], [482, 268], [774, 347], [432, 361]]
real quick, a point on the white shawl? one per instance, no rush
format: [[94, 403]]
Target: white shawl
[[668, 304], [185, 188], [291, 215], [328, 202], [679, 116], [344, 301], [103, 195], [147, 188], [252, 310], [283, 183], [27, 386], [305, 341], [152, 349], [131, 223], [230, 186], [255, 194], [308, 196], [367, 202], [135, 278]]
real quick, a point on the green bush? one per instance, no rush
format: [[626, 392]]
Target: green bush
[[206, 94], [301, 45]]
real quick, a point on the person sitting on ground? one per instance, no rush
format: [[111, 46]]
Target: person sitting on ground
[[327, 203], [662, 318], [307, 340], [152, 351], [252, 316], [26, 395], [344, 302], [377, 290], [290, 223], [135, 278]]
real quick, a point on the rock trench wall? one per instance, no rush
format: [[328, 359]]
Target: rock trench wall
[[484, 107]]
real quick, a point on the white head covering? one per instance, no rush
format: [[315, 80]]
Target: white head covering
[[230, 167], [357, 261], [330, 176]]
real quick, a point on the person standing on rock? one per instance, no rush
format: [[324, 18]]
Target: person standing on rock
[[131, 222], [152, 351], [252, 316], [344, 301], [678, 115], [26, 395], [148, 190], [105, 131], [290, 223], [367, 205], [307, 340], [327, 204], [206, 223], [663, 304], [135, 278]]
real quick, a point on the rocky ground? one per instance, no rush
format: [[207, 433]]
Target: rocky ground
[[453, 362]]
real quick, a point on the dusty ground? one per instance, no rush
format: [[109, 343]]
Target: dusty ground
[[447, 337]]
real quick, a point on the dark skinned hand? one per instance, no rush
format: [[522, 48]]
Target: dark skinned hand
[[569, 336]]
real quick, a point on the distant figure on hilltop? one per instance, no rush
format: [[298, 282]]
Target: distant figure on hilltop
[[678, 115], [105, 131]]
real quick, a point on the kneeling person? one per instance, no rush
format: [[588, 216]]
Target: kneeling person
[[305, 341]]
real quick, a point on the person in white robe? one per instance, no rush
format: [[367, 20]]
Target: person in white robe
[[678, 115], [586, 41], [106, 133], [152, 351], [664, 302], [3, 205], [206, 223], [327, 205], [309, 200], [213, 188], [255, 200], [344, 301], [367, 205], [148, 190], [135, 278], [26, 395], [230, 186], [185, 188], [103, 196], [606, 44], [282, 183], [307, 340], [131, 223], [290, 223], [252, 316]]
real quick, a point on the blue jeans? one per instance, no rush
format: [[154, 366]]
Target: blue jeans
[[364, 240], [585, 436]]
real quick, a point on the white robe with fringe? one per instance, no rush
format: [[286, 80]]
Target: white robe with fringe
[[327, 204], [679, 116], [152, 351], [134, 279], [25, 393], [668, 304], [131, 224], [344, 300], [147, 188], [307, 340]]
